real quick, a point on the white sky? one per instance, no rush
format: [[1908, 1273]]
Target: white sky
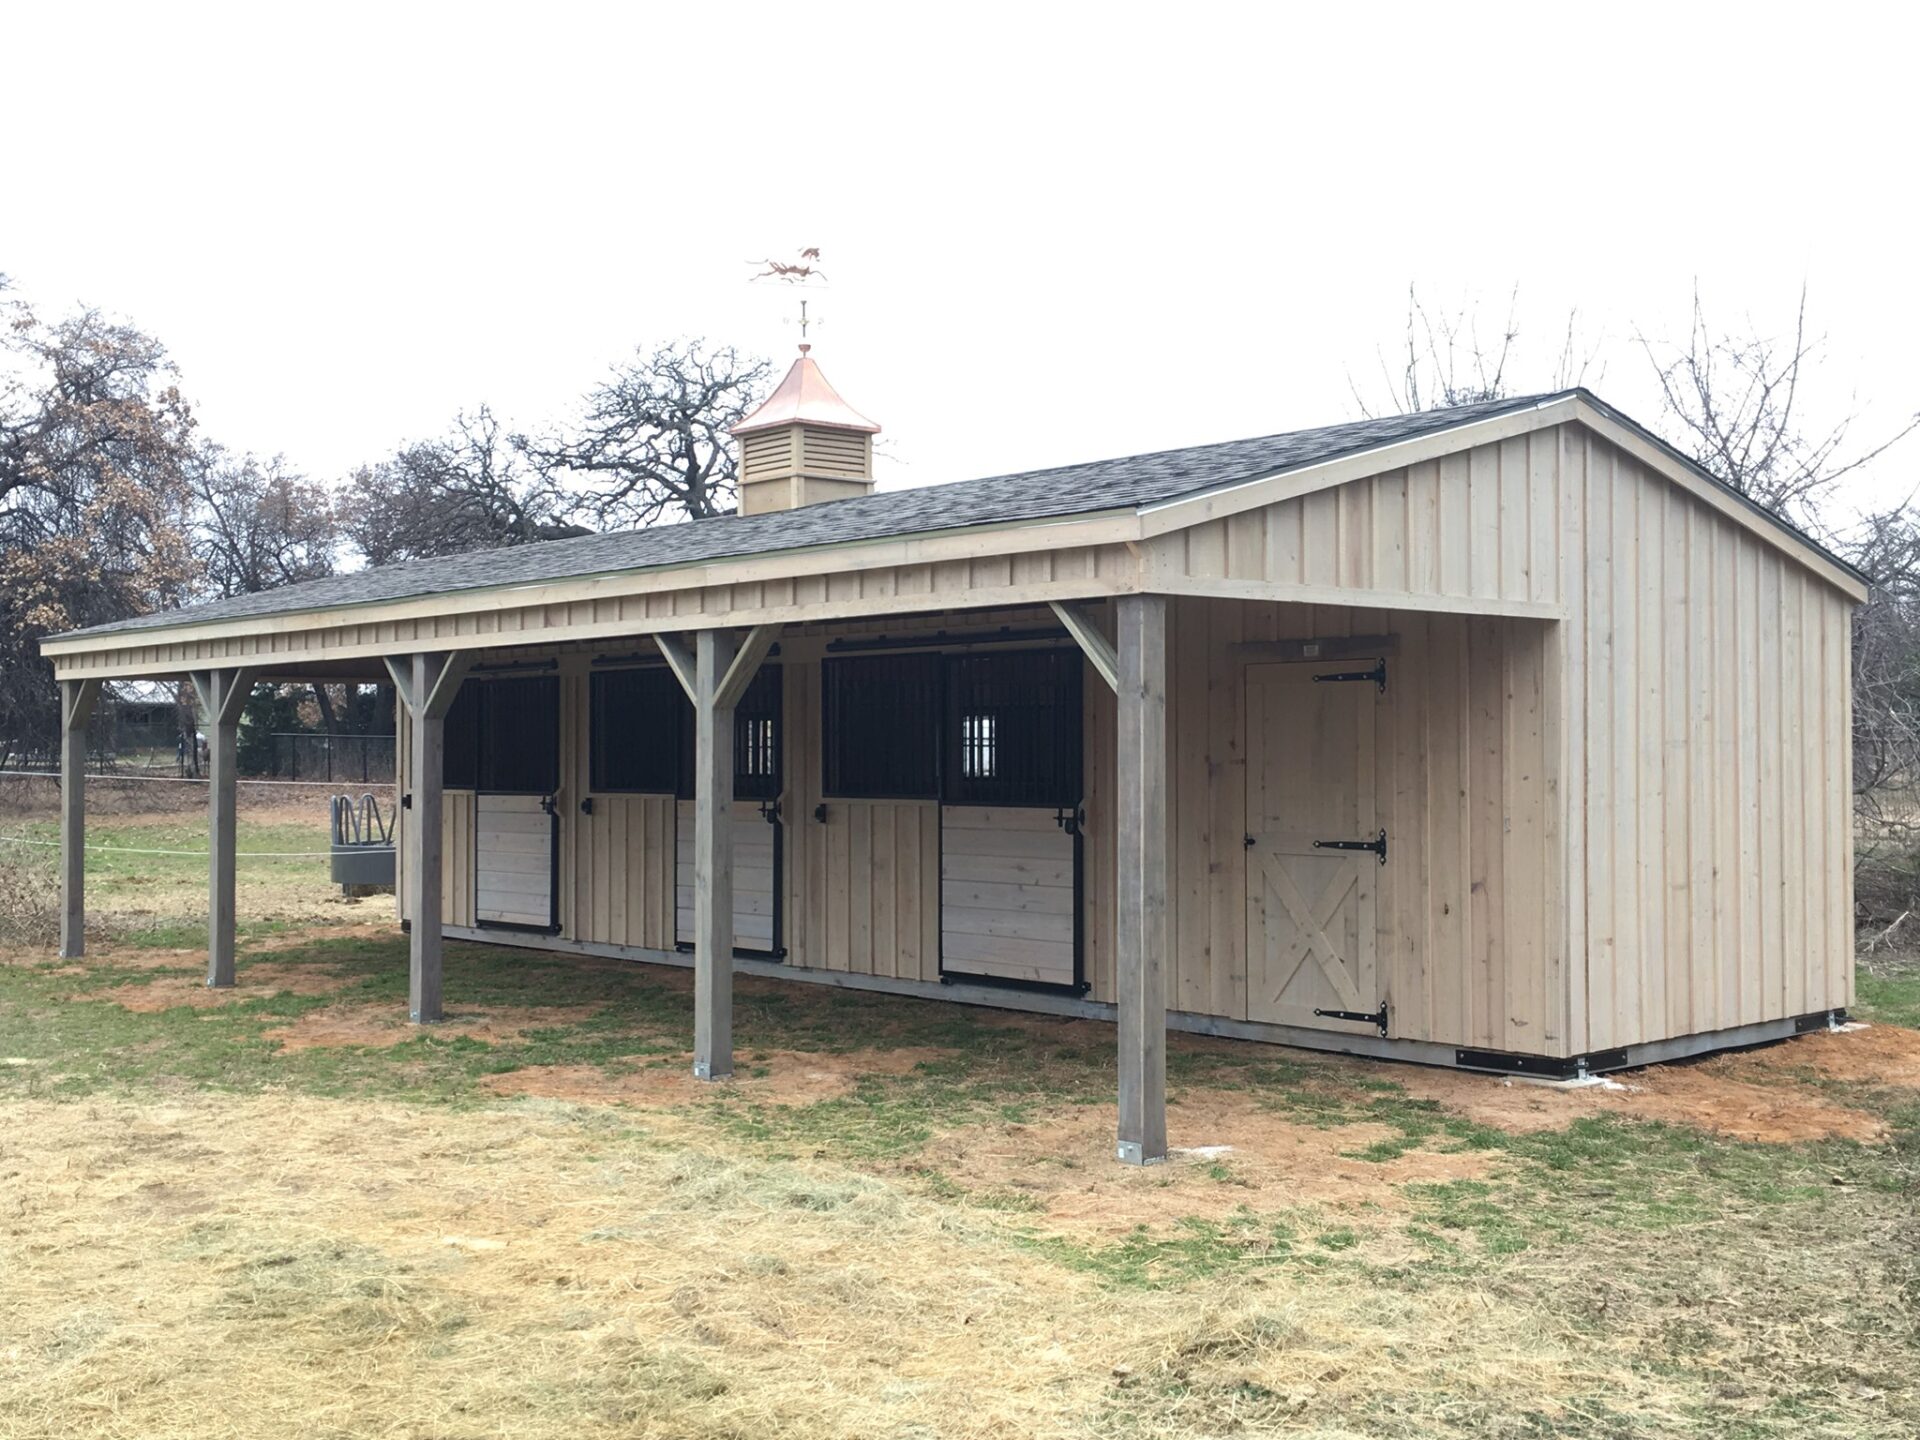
[[1052, 232]]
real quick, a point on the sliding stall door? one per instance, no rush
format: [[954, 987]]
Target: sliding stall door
[[516, 829]]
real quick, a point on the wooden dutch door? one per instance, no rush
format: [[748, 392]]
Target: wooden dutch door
[[1314, 847]]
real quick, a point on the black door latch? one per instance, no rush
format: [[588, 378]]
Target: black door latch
[[1378, 845]]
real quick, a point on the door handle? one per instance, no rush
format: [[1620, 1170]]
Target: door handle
[[820, 813]]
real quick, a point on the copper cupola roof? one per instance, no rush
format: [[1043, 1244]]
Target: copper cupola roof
[[805, 398]]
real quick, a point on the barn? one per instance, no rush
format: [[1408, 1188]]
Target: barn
[[1500, 737]]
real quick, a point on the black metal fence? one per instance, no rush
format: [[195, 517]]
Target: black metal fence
[[347, 759]]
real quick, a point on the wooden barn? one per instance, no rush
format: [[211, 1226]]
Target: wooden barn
[[1499, 737]]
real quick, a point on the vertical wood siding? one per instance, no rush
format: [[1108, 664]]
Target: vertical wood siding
[[1463, 787], [1708, 716], [1479, 525]]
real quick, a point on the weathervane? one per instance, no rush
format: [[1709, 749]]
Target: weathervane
[[796, 272], [803, 322]]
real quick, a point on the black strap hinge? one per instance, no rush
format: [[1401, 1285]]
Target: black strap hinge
[[1378, 675], [1378, 845], [1376, 1018]]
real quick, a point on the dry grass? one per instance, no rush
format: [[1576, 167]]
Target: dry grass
[[258, 1267], [29, 899]]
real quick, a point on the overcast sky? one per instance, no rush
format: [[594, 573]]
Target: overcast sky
[[1052, 233]]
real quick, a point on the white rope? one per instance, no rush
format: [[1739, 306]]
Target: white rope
[[196, 854], [336, 785]]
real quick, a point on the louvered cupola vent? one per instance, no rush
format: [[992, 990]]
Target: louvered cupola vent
[[804, 445]]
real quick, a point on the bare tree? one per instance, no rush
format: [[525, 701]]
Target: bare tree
[[655, 439], [472, 489], [1455, 357], [1737, 403], [258, 524]]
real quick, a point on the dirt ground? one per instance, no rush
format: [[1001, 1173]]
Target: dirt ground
[[1061, 1167]]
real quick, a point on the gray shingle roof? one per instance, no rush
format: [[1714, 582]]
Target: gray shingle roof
[[1035, 495]]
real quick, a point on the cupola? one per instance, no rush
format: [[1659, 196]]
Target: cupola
[[803, 445]]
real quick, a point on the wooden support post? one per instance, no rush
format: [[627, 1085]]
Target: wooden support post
[[223, 695], [76, 706], [426, 685], [715, 672], [1140, 931], [712, 860]]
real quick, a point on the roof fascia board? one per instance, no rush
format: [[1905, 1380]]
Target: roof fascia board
[[1105, 527], [1187, 511], [120, 662], [1659, 458]]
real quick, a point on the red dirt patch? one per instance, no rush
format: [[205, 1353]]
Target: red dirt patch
[[1679, 1095], [378, 1026], [167, 992], [1264, 1162], [1744, 1097], [1870, 1054], [792, 1078]]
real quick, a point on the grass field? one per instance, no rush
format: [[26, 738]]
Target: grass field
[[281, 1211]]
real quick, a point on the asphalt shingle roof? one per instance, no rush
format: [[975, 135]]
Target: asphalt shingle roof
[[1034, 495]]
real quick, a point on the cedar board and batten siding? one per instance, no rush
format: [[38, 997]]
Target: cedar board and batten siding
[[1708, 711]]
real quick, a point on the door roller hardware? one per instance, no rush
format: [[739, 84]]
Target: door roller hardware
[[1378, 845]]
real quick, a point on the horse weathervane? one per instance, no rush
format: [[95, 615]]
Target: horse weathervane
[[796, 272]]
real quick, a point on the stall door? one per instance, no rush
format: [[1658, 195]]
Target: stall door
[[1314, 851], [756, 870], [1009, 819], [516, 830], [513, 861], [1009, 898]]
